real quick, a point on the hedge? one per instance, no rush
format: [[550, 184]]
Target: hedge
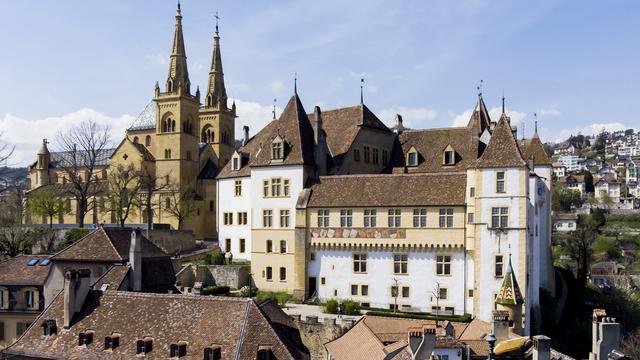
[[216, 290]]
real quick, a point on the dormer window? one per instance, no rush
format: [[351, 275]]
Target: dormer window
[[112, 341], [412, 157], [144, 346], [264, 353], [236, 162], [277, 148], [449, 156], [213, 353], [178, 350], [85, 338], [49, 327]]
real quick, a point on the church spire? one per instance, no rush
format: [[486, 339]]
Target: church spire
[[216, 92], [178, 78]]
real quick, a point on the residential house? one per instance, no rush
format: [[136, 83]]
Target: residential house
[[632, 170], [559, 170], [608, 171], [564, 222], [608, 187], [592, 165], [608, 273], [572, 163], [22, 297], [564, 149], [574, 183]]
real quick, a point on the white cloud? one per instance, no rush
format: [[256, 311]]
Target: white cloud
[[253, 114], [412, 117], [460, 119], [593, 129], [550, 112], [275, 85], [27, 135]]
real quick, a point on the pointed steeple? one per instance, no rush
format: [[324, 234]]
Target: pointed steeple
[[178, 78], [503, 149], [509, 293], [216, 91], [480, 119]]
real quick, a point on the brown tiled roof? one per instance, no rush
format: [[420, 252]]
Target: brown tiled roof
[[389, 190], [106, 245], [477, 329], [480, 119], [388, 329], [113, 278], [503, 150], [431, 143], [15, 271], [478, 347], [238, 325], [294, 126], [357, 343], [534, 147]]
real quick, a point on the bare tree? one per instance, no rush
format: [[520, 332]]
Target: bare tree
[[82, 149], [150, 185], [578, 245], [6, 151], [181, 204], [123, 192], [630, 345]]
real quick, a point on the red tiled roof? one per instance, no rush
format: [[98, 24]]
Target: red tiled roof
[[16, 271]]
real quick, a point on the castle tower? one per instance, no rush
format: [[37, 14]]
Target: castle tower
[[217, 121], [42, 165], [176, 152]]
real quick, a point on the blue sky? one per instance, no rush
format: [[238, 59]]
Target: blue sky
[[574, 63]]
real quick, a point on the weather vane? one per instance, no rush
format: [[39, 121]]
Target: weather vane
[[217, 19], [274, 108], [479, 88]]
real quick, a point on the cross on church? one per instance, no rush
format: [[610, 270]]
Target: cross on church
[[217, 19]]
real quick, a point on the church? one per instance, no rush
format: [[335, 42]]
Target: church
[[182, 137]]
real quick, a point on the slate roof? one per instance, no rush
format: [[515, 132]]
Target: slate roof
[[15, 271], [238, 325], [430, 145], [502, 150], [389, 190], [106, 245]]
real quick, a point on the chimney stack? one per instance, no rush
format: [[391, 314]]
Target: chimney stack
[[245, 135], [399, 126], [320, 145], [541, 348], [500, 325], [135, 260], [606, 335], [421, 342], [76, 288]]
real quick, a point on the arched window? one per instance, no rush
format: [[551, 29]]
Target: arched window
[[135, 139], [170, 85], [147, 141], [173, 125]]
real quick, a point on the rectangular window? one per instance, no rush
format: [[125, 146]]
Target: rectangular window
[[412, 159], [285, 187], [470, 293], [242, 218], [500, 182], [283, 246], [284, 218], [400, 263], [405, 291], [364, 290], [472, 192], [367, 154], [394, 217], [354, 290], [21, 327], [394, 291], [370, 217], [323, 218], [30, 296], [265, 188], [269, 246], [449, 158], [499, 217], [276, 185], [499, 265], [470, 218], [283, 274], [443, 265], [359, 263], [419, 218], [385, 157], [356, 155], [375, 157], [269, 273], [238, 187], [211, 205], [323, 281], [228, 218], [446, 218], [242, 246], [346, 218], [276, 150], [227, 245], [443, 293], [267, 220]]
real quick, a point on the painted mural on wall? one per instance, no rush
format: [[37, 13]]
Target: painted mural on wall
[[366, 233]]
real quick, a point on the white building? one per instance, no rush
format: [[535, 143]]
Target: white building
[[572, 163], [607, 186], [559, 170]]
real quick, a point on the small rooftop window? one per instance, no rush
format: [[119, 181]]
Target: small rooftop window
[[85, 338], [49, 327], [112, 341], [264, 353], [44, 262], [144, 346], [32, 262], [178, 350], [213, 352]]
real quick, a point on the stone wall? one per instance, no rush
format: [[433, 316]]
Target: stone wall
[[232, 276], [172, 240], [317, 332]]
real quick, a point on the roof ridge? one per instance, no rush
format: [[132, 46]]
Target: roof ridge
[[244, 330], [347, 176], [268, 320], [111, 242], [175, 296]]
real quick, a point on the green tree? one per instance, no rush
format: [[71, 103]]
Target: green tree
[[44, 202], [601, 141], [563, 199]]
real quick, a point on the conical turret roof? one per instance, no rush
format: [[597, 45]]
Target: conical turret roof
[[509, 293]]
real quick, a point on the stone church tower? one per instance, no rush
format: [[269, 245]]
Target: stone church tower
[[176, 119], [217, 120]]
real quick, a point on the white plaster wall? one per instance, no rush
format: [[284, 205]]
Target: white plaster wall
[[296, 176], [229, 202], [336, 266]]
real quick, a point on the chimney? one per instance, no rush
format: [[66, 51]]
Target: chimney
[[421, 342], [541, 348], [399, 126], [605, 334], [135, 260], [320, 145], [76, 288], [500, 325], [245, 135], [531, 163]]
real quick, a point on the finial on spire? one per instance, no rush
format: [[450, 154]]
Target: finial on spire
[[479, 87], [535, 129], [503, 102], [361, 90], [178, 4], [274, 108], [295, 83], [217, 19]]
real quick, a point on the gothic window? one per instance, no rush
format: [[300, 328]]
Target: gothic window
[[135, 139], [147, 141], [173, 125]]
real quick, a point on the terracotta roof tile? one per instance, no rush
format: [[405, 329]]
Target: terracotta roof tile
[[389, 190], [16, 271], [113, 278]]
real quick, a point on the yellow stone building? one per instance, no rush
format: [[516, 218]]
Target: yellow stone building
[[180, 142]]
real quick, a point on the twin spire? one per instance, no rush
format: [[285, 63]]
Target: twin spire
[[178, 78]]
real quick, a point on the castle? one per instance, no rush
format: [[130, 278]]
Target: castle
[[335, 204]]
